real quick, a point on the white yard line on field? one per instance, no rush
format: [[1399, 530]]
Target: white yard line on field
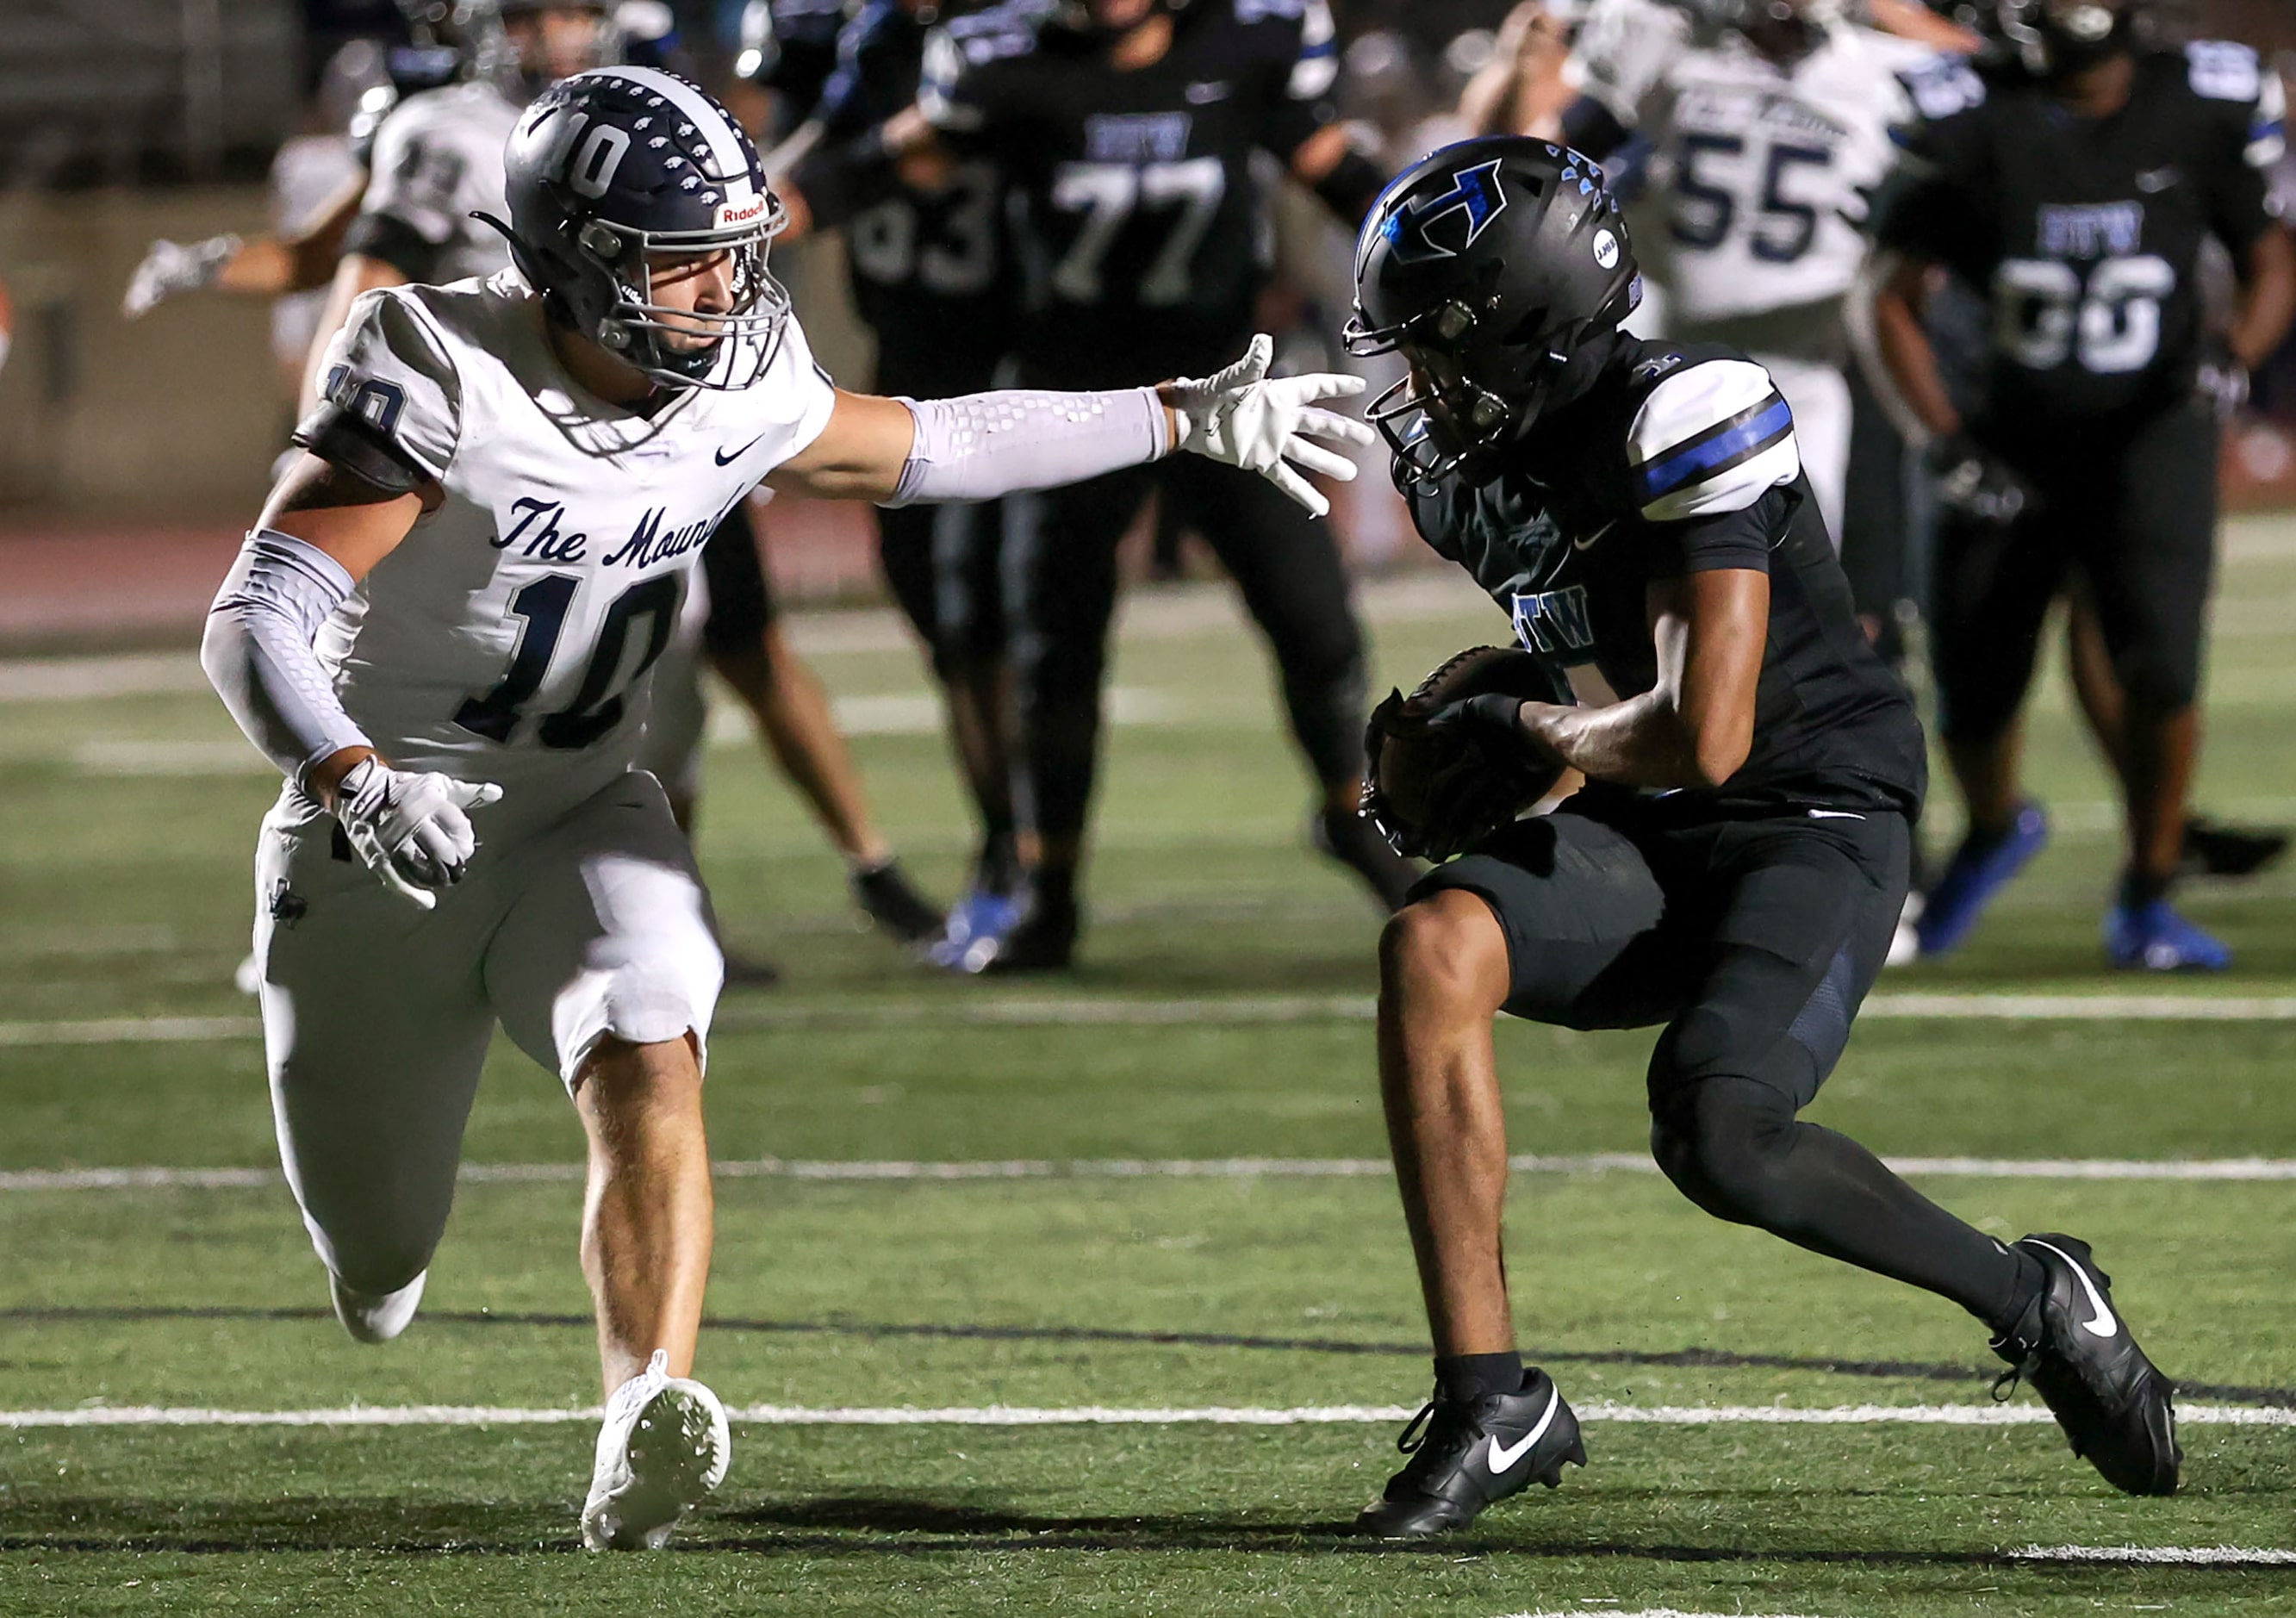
[[1085, 1012], [899, 1170], [2169, 1555], [1078, 1416]]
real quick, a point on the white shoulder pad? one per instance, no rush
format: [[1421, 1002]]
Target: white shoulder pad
[[1713, 437], [390, 366], [2267, 131]]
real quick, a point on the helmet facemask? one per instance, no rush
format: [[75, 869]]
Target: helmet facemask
[[1444, 415], [734, 346]]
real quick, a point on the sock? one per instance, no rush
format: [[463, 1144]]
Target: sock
[[2030, 1280], [1471, 1376], [2138, 892]]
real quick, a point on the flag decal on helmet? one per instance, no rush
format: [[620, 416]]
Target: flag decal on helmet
[[1475, 192]]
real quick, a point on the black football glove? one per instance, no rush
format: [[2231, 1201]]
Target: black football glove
[[1977, 483], [1499, 768]]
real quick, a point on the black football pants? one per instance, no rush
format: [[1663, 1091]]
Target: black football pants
[[2135, 512], [1753, 941], [1061, 590]]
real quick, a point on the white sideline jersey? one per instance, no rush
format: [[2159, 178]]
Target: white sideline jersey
[[512, 635], [1760, 173], [438, 160]]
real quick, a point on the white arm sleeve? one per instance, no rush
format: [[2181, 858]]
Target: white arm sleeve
[[985, 445], [257, 650]]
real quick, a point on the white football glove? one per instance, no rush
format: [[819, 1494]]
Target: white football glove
[[173, 267], [411, 826], [1240, 418]]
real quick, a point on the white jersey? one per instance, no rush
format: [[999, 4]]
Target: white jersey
[[438, 160], [1760, 171], [511, 634]]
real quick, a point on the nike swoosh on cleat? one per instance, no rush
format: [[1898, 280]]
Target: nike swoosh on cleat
[[2101, 1323], [727, 460], [1502, 1458]]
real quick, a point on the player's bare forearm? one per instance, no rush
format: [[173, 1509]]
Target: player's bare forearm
[[1910, 20], [1909, 367], [2267, 301], [1695, 726]]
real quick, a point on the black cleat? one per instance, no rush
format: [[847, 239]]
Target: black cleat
[[895, 908], [2217, 848], [1353, 840], [1045, 938], [2115, 1407], [1467, 1455]]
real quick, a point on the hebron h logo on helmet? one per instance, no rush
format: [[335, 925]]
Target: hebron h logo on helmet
[[1475, 192]]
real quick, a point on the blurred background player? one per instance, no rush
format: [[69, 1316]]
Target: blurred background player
[[2075, 180], [1769, 131], [437, 161], [930, 274], [1128, 128]]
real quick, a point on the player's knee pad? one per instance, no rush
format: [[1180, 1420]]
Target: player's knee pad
[[1722, 1141]]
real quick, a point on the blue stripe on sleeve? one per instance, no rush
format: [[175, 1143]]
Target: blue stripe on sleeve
[[1660, 478]]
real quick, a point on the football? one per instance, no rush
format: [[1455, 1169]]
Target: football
[[1420, 776]]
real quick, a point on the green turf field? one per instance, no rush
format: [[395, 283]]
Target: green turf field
[[1090, 1271]]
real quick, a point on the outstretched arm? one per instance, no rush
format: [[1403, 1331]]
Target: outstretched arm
[[899, 451]]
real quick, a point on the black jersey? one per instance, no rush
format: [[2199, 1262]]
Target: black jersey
[[1135, 202], [2085, 234], [1682, 459], [926, 266]]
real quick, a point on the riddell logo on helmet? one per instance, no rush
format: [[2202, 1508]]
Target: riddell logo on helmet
[[740, 213]]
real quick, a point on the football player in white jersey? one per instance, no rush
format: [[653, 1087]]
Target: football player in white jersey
[[1769, 131], [441, 632]]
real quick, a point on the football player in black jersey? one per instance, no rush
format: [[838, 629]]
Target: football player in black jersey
[[1127, 127], [1733, 866], [2074, 183], [927, 270]]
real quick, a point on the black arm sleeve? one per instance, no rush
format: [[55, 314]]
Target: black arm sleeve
[[1591, 127], [1352, 186], [394, 242], [346, 439]]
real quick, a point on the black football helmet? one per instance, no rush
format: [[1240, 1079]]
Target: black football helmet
[[2047, 37], [615, 170], [1490, 266]]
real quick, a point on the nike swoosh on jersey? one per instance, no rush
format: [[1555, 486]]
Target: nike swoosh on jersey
[[2158, 179], [2100, 1324], [1204, 94], [1502, 1458], [1589, 542], [727, 460], [1833, 814]]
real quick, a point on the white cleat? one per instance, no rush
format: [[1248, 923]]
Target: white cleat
[[376, 1317], [664, 1448]]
